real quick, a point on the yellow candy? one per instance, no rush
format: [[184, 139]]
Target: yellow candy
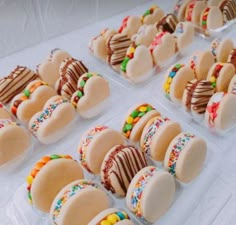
[[106, 222], [166, 86], [129, 120], [132, 50], [112, 218], [126, 215], [143, 109], [212, 79], [169, 80], [29, 179]]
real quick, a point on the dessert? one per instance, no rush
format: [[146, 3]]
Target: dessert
[[180, 8], [94, 145], [232, 57], [213, 2], [49, 125], [167, 23], [157, 135], [48, 70], [119, 167], [91, 95], [136, 119], [232, 85], [185, 157], [152, 15], [228, 9], [175, 81], [220, 75], [70, 71], [137, 64], [31, 100], [48, 176], [15, 83], [150, 194], [78, 203], [4, 114]]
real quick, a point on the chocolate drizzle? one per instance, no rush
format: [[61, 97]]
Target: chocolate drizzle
[[122, 164], [232, 57], [167, 23], [228, 8]]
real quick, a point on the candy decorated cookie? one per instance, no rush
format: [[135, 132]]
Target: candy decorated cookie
[[228, 9], [78, 203], [137, 64], [48, 176], [211, 18], [167, 23], [48, 70], [157, 135], [220, 75], [163, 47], [111, 216], [221, 49], [97, 45], [152, 15], [4, 114], [150, 194], [175, 81], [31, 100], [15, 83], [130, 26], [194, 10], [145, 35], [196, 96], [49, 124], [94, 145], [119, 167], [136, 119], [14, 141], [232, 57], [184, 34], [70, 71], [200, 63], [232, 85], [220, 113], [180, 8], [117, 46], [185, 157], [213, 2], [91, 95]]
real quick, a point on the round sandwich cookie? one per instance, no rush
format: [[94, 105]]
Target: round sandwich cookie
[[185, 157], [78, 203], [175, 81], [232, 57], [15, 83], [167, 23], [136, 119], [111, 216], [145, 35], [91, 96], [48, 176], [213, 2], [180, 8], [152, 15], [232, 85], [196, 96], [228, 9], [4, 114], [220, 75], [48, 70], [119, 167], [157, 135], [184, 34], [70, 71], [32, 100], [117, 45], [150, 194], [94, 145], [220, 113], [14, 141], [211, 18], [194, 10], [200, 63], [130, 26], [137, 64], [97, 45], [49, 124], [221, 49], [163, 47]]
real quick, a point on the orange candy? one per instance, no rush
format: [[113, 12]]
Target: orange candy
[[45, 159], [39, 165], [136, 119], [34, 172]]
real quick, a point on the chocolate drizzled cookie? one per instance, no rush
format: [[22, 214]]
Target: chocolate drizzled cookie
[[228, 8], [167, 23]]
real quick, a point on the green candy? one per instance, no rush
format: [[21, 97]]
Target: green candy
[[204, 22], [29, 196], [213, 84], [128, 127], [177, 66], [124, 64], [26, 93], [82, 83], [148, 12], [149, 108], [79, 94], [135, 113], [89, 75], [141, 114], [55, 157]]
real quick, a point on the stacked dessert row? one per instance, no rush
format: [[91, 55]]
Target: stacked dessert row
[[207, 14], [46, 101], [123, 169], [206, 86], [142, 43]]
